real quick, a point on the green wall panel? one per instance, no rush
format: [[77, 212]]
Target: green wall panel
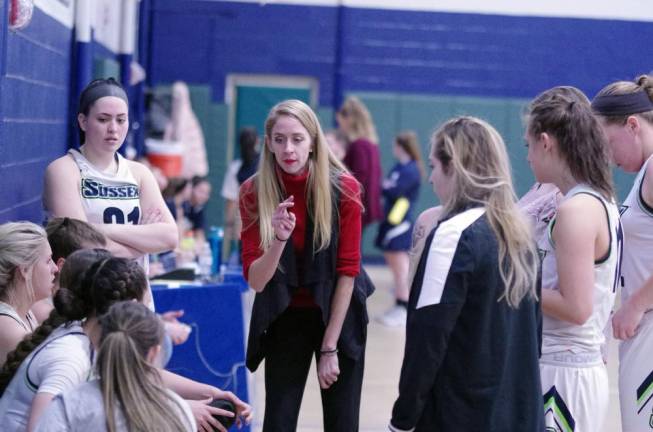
[[325, 117], [392, 113], [106, 68]]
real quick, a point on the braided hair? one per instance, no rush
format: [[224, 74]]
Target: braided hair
[[90, 282]]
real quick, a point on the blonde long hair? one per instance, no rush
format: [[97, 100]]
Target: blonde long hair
[[474, 153], [128, 382], [360, 120], [324, 172], [20, 244]]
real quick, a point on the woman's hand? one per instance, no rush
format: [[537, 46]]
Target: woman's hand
[[283, 221], [243, 410], [328, 370], [204, 413], [626, 320]]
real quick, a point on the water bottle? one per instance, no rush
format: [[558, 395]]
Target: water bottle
[[205, 261], [215, 237]]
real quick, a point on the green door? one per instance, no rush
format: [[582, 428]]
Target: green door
[[253, 103]]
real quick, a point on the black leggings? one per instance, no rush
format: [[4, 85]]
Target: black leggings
[[292, 341]]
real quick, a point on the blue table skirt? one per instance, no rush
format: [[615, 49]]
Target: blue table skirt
[[215, 350]]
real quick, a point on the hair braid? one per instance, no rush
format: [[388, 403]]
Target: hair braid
[[71, 303], [26, 346]]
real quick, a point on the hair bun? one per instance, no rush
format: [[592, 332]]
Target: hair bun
[[69, 305]]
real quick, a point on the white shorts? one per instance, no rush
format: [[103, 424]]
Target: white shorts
[[636, 379], [576, 392]]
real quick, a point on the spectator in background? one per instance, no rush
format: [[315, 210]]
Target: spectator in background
[[175, 195], [362, 157], [185, 129], [400, 193], [238, 171], [195, 206], [27, 275]]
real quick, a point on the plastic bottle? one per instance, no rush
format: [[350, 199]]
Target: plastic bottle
[[215, 237], [205, 261]]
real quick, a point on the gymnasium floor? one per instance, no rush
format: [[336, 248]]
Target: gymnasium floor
[[384, 355]]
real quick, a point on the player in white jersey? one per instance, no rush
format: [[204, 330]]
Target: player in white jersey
[[625, 110], [96, 184], [580, 257]]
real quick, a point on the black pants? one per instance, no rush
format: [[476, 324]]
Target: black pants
[[292, 341]]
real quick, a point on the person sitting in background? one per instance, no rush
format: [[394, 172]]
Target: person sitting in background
[[128, 394], [195, 207], [238, 171], [175, 195], [27, 275]]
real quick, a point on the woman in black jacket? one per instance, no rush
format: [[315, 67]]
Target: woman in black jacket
[[471, 358]]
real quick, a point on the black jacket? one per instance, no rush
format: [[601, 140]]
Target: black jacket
[[319, 277], [471, 361]]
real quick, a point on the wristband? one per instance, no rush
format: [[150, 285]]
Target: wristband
[[277, 237]]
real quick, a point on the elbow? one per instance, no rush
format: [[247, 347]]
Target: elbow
[[171, 239], [581, 315], [256, 286]]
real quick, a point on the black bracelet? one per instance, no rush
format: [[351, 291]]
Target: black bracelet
[[329, 352], [277, 237]]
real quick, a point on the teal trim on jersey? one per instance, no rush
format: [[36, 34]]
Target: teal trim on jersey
[[564, 423], [644, 391]]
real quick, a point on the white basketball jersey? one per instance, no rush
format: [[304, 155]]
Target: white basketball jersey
[[637, 220], [561, 335], [111, 199], [108, 198]]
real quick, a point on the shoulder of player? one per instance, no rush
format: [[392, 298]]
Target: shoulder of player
[[63, 169], [582, 212], [429, 217], [140, 171], [62, 164]]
